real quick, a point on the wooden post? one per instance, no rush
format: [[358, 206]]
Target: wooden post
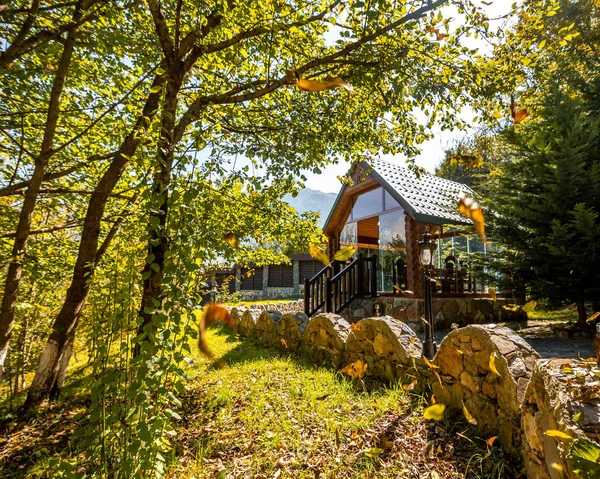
[[306, 297], [328, 298], [374, 276], [361, 277]]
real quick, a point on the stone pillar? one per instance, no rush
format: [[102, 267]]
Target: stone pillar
[[296, 276], [265, 278], [238, 278], [413, 268]]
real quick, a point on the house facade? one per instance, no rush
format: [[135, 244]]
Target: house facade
[[274, 281], [384, 212]]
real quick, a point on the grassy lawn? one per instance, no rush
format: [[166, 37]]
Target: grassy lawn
[[253, 412], [256, 413]]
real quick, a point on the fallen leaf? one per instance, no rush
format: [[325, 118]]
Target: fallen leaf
[[232, 239], [471, 209], [492, 364], [284, 343], [319, 254], [430, 364], [468, 416], [577, 417], [317, 86], [344, 253], [490, 441], [356, 369], [558, 434], [492, 293], [212, 313], [435, 412]]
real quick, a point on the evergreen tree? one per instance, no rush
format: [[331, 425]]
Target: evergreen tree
[[547, 204]]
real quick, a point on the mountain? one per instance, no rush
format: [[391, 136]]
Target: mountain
[[312, 200]]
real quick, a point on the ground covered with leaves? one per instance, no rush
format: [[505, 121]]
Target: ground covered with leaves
[[256, 413], [253, 412]]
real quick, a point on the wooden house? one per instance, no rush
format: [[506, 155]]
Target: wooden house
[[384, 212]]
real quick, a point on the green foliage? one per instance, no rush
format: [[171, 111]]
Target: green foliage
[[585, 455], [546, 204], [225, 136]]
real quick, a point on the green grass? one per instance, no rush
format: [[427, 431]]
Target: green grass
[[264, 301], [254, 412]]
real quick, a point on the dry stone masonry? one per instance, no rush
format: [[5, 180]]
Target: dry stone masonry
[[387, 346], [291, 329], [562, 395], [324, 339], [486, 370]]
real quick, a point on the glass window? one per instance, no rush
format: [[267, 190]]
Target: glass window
[[390, 203], [368, 204], [392, 249], [348, 236]]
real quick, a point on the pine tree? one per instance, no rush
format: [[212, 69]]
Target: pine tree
[[547, 204]]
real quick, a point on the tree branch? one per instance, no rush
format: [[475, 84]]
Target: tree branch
[[232, 95]]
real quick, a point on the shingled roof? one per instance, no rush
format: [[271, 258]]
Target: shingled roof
[[426, 198]]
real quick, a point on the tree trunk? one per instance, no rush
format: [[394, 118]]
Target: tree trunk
[[158, 244], [15, 268], [66, 321], [582, 315], [61, 372]]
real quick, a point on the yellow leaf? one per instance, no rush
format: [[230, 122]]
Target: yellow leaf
[[557, 467], [558, 434], [435, 412], [316, 85], [471, 209], [211, 313], [373, 452], [520, 115], [356, 369], [577, 417], [473, 161], [459, 351], [530, 306], [593, 317], [542, 44], [344, 253], [497, 114], [492, 364], [430, 364], [490, 441], [283, 343], [231, 239], [492, 293], [318, 254], [432, 399], [468, 416], [356, 327]]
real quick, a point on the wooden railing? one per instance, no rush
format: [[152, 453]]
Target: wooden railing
[[333, 292], [399, 276]]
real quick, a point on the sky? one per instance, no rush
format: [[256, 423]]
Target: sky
[[432, 151]]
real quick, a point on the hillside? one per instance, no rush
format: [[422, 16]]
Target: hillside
[[312, 200]]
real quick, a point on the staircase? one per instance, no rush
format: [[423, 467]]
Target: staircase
[[333, 288]]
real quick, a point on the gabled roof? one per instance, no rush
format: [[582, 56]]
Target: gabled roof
[[426, 198]]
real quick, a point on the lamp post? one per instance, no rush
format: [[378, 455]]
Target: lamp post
[[426, 255]]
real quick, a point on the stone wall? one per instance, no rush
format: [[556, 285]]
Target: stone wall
[[562, 395], [485, 369], [446, 311], [485, 372]]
